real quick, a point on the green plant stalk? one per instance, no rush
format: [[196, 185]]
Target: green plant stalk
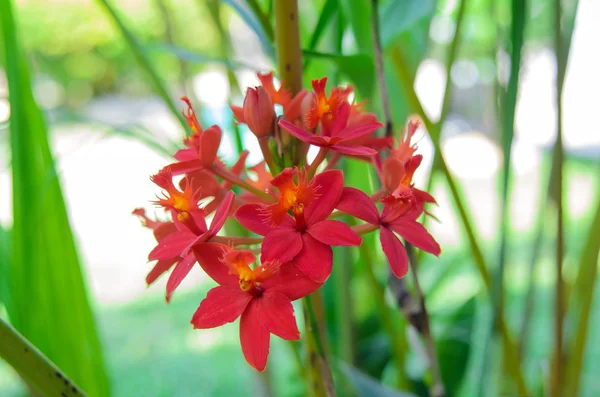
[[262, 18], [320, 379], [508, 110], [582, 307], [512, 356], [145, 63], [35, 368], [395, 335], [556, 364]]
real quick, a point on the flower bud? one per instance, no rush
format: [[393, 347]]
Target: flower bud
[[258, 111]]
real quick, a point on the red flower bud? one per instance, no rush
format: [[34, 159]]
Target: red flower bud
[[258, 111]]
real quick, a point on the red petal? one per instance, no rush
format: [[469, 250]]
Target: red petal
[[223, 304], [315, 259], [238, 113], [158, 269], [164, 230], [277, 315], [299, 133], [393, 172], [186, 154], [209, 257], [251, 217], [423, 196], [356, 203], [293, 110], [395, 252], [358, 131], [353, 150], [334, 233], [282, 243], [330, 185], [254, 337], [209, 144], [417, 235], [291, 282], [184, 167], [221, 214], [171, 246], [180, 271]]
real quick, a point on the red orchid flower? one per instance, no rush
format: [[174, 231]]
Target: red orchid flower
[[307, 236], [338, 136], [250, 112], [261, 296], [402, 221], [187, 229]]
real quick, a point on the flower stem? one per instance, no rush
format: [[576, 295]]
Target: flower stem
[[320, 378], [364, 228], [312, 169], [235, 241], [35, 368], [395, 335], [236, 180], [266, 151]]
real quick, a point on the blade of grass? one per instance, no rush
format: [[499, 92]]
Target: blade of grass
[[49, 303], [327, 12], [144, 62]]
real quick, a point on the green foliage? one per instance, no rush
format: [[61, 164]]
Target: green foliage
[[48, 299]]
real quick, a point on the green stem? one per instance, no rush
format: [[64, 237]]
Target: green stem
[[513, 362], [556, 375], [236, 180], [395, 335], [235, 241], [321, 156], [35, 368]]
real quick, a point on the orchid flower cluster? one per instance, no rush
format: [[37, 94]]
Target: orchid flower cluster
[[290, 207]]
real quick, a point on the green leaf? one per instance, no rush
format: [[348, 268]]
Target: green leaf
[[581, 307], [366, 386], [196, 57], [258, 23], [142, 58], [49, 302], [398, 17], [358, 14], [328, 11], [454, 347], [5, 244], [357, 68]]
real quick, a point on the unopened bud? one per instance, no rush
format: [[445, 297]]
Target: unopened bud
[[258, 111]]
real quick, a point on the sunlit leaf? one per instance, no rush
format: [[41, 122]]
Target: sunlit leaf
[[398, 17]]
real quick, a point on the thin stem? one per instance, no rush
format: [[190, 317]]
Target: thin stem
[[321, 156], [266, 151], [437, 387], [235, 241], [513, 362], [556, 375], [394, 334], [263, 18], [236, 180], [321, 380], [31, 364], [383, 93], [364, 228]]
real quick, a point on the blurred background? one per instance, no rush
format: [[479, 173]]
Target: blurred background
[[107, 77]]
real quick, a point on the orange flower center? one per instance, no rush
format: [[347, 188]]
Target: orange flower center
[[238, 262]]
